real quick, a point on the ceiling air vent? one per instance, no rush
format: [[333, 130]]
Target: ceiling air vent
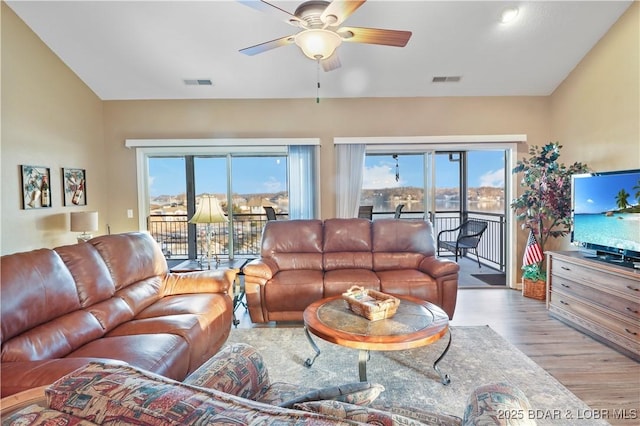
[[198, 82], [446, 79]]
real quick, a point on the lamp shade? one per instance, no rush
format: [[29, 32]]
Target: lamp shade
[[84, 221], [208, 211], [318, 44]]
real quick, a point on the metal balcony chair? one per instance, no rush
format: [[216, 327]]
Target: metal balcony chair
[[365, 212], [398, 211], [271, 213], [468, 238]]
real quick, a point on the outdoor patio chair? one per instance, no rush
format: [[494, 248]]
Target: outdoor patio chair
[[271, 213], [468, 238], [365, 212], [398, 211]]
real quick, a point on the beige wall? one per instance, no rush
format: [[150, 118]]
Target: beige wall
[[85, 132], [49, 118], [595, 112]]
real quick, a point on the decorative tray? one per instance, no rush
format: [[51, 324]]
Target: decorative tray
[[371, 304]]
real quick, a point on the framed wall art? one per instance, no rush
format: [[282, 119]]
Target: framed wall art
[[36, 189], [74, 187]]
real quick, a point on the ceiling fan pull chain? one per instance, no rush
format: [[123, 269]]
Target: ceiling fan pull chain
[[318, 79]]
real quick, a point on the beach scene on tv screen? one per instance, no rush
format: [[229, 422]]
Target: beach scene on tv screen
[[607, 210]]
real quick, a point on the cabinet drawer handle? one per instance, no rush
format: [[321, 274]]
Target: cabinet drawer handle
[[564, 303], [632, 288], [635, 311], [565, 268], [565, 285], [630, 332]]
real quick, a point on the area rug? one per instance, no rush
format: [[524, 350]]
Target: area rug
[[478, 355], [492, 279]]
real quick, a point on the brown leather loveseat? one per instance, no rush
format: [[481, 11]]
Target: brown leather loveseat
[[302, 261], [110, 298]]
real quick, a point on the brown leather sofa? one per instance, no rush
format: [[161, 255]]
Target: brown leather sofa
[[112, 298], [302, 261]]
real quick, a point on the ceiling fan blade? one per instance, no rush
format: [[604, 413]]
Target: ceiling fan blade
[[268, 45], [331, 63], [275, 11], [339, 10], [375, 36]]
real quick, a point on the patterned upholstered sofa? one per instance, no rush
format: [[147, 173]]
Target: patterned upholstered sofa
[[233, 387], [302, 261], [111, 298]]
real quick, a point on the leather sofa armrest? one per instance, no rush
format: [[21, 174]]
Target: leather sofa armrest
[[213, 281], [438, 267], [261, 268]]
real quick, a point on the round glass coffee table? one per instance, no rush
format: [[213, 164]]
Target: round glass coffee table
[[416, 323]]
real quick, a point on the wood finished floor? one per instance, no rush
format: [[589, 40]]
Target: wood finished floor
[[600, 376]]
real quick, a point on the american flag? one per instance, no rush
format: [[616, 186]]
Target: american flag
[[532, 252]]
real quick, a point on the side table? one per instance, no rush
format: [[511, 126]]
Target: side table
[[191, 265]]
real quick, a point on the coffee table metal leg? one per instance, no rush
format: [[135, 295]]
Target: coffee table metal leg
[[363, 357], [444, 378], [309, 362]]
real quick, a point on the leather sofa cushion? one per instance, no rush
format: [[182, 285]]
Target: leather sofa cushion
[[36, 288], [395, 261], [348, 260], [292, 236], [142, 294], [53, 339], [164, 354], [200, 319], [293, 290], [406, 235], [409, 282], [89, 271], [111, 313], [338, 281], [131, 257], [347, 235]]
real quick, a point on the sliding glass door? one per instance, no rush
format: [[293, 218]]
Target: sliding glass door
[[242, 186]]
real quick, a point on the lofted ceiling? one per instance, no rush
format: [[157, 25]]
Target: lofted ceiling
[[147, 49]]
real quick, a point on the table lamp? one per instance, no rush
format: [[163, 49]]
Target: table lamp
[[84, 222], [208, 212]]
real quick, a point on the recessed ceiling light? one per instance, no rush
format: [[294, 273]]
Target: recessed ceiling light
[[508, 15]]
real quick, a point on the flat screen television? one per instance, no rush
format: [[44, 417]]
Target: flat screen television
[[606, 215]]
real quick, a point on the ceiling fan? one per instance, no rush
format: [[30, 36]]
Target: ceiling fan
[[321, 33]]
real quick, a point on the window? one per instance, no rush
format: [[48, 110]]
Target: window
[[244, 176]]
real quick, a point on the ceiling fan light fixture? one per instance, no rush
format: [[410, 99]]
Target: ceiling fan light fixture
[[509, 14], [318, 44]]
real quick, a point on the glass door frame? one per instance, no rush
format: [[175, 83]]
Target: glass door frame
[[508, 142]]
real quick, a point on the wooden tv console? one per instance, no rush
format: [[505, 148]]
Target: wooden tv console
[[598, 298]]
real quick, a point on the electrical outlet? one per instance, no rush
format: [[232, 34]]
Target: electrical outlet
[[130, 213]]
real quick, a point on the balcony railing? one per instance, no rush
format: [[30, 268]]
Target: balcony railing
[[171, 231]]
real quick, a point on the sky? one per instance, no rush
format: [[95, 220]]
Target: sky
[[252, 175], [598, 193]]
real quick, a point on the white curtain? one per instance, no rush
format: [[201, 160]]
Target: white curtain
[[350, 166], [302, 181]]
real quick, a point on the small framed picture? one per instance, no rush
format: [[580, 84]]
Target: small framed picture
[[36, 189], [74, 186]]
